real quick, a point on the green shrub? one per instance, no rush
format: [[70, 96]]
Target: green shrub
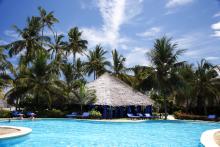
[[94, 114], [54, 113], [5, 113]]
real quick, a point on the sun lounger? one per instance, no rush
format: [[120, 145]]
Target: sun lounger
[[212, 116], [73, 114], [147, 115], [17, 114], [84, 115], [130, 115], [31, 114], [140, 114]]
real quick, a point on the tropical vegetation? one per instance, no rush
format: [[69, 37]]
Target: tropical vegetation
[[49, 76]]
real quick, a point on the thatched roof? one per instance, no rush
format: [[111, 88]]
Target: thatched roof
[[113, 92]]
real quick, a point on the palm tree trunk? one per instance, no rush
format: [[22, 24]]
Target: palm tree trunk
[[74, 58], [81, 109], [42, 35], [94, 75], [16, 105], [165, 106], [187, 104]]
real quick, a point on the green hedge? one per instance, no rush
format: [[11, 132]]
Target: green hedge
[[54, 113], [5, 114], [180, 115], [94, 114]]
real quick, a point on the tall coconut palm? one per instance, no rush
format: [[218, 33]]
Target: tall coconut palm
[[76, 43], [142, 78], [207, 85], [118, 63], [30, 42], [164, 57], [57, 52], [79, 69], [46, 19], [96, 62]]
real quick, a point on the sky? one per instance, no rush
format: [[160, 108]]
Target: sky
[[130, 26]]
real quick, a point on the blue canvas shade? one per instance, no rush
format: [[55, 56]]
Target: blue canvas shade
[[129, 109], [121, 109], [148, 109], [104, 115], [138, 109]]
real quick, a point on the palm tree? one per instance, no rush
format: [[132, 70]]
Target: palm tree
[[84, 96], [37, 81], [76, 43], [118, 63], [96, 62], [142, 78], [46, 19], [206, 84], [186, 91], [30, 42], [58, 47], [57, 52], [79, 69], [5, 67], [164, 57]]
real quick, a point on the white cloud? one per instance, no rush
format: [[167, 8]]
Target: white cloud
[[87, 4], [216, 29], [152, 32], [49, 33], [216, 26], [212, 58], [3, 42], [175, 3], [114, 13], [216, 34], [137, 56], [216, 14], [11, 33]]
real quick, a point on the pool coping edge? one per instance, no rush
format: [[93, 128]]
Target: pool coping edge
[[23, 131], [207, 138]]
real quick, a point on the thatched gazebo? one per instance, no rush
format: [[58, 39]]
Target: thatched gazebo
[[113, 92]]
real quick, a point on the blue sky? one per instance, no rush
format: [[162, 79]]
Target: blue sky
[[128, 25]]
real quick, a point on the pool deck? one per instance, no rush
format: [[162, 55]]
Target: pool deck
[[217, 137], [4, 131], [12, 132], [211, 138]]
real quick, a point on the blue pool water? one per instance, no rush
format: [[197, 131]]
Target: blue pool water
[[62, 132]]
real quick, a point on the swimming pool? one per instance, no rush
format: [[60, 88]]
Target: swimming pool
[[63, 132]]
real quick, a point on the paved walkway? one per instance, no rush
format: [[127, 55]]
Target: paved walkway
[[4, 131], [217, 137]]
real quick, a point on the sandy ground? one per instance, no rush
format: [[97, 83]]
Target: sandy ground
[[217, 137], [4, 131]]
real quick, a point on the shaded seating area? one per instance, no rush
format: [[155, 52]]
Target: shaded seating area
[[212, 116], [72, 115], [31, 115], [17, 114], [84, 115], [77, 115], [116, 99]]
